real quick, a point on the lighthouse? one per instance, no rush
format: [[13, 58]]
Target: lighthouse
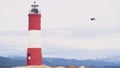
[[34, 51]]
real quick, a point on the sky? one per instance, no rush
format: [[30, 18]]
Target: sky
[[67, 31]]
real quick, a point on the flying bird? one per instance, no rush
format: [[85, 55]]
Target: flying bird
[[34, 1], [92, 19]]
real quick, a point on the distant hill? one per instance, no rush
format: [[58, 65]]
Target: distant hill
[[61, 61], [5, 61], [20, 61], [110, 59]]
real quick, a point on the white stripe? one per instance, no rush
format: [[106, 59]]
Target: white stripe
[[34, 38]]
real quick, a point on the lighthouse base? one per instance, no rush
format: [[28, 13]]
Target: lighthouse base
[[34, 56]]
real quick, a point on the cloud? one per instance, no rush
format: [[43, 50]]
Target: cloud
[[65, 28], [13, 43], [88, 42], [81, 32]]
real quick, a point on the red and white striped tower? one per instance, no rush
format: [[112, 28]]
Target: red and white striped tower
[[34, 51]]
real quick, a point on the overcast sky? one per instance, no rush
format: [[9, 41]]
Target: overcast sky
[[67, 31]]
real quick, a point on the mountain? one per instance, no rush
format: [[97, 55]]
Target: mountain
[[8, 62], [61, 61], [110, 59], [20, 61]]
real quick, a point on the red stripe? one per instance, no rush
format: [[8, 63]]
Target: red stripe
[[34, 22], [34, 56]]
